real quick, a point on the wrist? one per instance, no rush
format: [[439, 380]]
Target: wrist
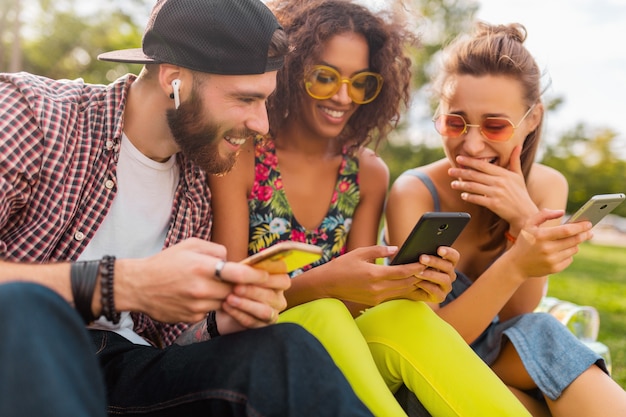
[[84, 279], [125, 270], [510, 236]]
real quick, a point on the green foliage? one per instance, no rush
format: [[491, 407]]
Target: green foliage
[[63, 40], [440, 22], [76, 47], [597, 277], [590, 162], [400, 157]]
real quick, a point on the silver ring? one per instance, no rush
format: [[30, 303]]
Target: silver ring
[[219, 267]]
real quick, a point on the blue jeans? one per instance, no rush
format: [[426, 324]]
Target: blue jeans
[[47, 366], [280, 370]]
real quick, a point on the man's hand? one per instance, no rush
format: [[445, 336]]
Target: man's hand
[[252, 304], [180, 283]]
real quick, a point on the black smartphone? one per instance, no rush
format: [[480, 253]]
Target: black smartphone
[[597, 207], [432, 230]]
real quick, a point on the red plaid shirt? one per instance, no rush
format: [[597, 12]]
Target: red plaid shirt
[[59, 144]]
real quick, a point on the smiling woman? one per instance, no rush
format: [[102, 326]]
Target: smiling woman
[[312, 179], [515, 238]]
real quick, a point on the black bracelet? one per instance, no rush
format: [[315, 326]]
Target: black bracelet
[[83, 276], [107, 297], [211, 325]]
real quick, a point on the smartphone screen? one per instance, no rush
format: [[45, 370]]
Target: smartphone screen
[[432, 230]]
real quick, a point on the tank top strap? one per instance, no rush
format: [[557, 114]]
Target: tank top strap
[[428, 183]]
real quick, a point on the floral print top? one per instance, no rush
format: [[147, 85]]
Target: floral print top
[[271, 218]]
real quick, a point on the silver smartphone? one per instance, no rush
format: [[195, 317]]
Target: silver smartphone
[[432, 230], [596, 208]]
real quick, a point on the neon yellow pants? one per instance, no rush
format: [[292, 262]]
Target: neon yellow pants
[[405, 342]]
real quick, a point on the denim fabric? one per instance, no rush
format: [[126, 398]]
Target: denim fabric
[[551, 354], [280, 370], [47, 366]]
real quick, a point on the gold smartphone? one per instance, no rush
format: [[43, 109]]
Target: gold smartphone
[[284, 257]]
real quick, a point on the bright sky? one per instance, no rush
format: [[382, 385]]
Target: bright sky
[[580, 44]]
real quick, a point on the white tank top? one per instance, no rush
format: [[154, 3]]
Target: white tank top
[[139, 218]]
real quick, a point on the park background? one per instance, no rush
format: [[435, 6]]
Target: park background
[[583, 137]]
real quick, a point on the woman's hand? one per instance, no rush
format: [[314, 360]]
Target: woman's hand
[[182, 284], [356, 278], [540, 251], [439, 274], [501, 190]]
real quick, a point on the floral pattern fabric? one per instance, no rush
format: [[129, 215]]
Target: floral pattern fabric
[[271, 218]]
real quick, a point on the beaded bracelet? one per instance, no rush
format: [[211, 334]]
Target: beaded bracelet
[[509, 237], [107, 297], [83, 277]]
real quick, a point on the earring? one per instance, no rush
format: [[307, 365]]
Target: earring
[[175, 94]]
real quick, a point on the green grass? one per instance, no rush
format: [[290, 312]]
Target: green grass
[[597, 277]]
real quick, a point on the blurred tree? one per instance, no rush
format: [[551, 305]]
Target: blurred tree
[[10, 27], [589, 160], [61, 39], [436, 22], [403, 156]]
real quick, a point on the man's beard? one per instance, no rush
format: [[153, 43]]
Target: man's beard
[[198, 141]]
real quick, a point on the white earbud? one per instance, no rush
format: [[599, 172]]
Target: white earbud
[[176, 87]]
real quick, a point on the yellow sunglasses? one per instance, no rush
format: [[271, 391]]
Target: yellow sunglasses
[[322, 82]]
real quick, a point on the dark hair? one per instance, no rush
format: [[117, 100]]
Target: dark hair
[[309, 25], [279, 44], [496, 50]]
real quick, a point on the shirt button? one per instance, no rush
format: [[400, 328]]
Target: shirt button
[[108, 145], [79, 236], [109, 184]]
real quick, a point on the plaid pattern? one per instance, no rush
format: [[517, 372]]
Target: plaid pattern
[[59, 145]]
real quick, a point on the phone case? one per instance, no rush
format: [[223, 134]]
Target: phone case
[[597, 207], [432, 230], [284, 257]]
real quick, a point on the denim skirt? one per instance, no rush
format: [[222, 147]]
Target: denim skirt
[[551, 354]]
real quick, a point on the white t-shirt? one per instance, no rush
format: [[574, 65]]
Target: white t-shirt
[[139, 218]]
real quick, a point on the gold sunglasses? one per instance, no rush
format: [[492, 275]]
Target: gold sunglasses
[[497, 129], [322, 82]]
